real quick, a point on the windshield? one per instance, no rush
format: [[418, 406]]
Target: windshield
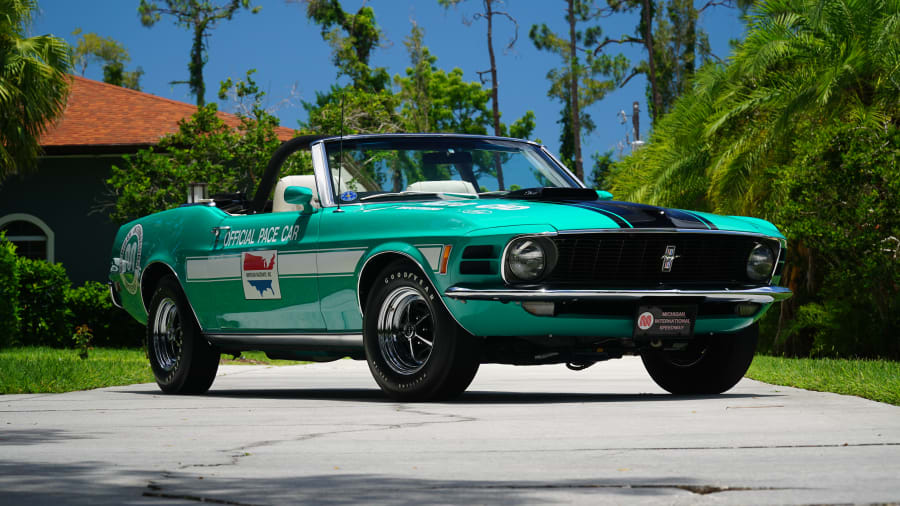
[[401, 168]]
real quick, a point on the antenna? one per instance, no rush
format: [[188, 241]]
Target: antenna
[[340, 158]]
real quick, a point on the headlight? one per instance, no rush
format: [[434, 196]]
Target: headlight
[[760, 263], [529, 259]]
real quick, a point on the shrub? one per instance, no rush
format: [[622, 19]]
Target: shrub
[[90, 305], [839, 210], [9, 293], [44, 317]]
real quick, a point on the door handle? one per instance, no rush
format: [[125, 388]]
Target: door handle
[[218, 231]]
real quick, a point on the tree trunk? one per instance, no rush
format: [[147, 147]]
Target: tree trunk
[[489, 14], [195, 68], [573, 92], [688, 54], [647, 19]]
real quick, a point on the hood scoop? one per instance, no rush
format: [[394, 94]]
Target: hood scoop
[[553, 194]]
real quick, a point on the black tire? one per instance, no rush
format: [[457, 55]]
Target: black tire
[[710, 365], [403, 362], [181, 359]]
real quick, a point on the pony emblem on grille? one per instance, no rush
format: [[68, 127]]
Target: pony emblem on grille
[[669, 259]]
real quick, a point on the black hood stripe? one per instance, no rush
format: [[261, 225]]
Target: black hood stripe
[[611, 215], [702, 219], [631, 215]]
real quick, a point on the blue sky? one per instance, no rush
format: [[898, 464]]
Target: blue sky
[[293, 62]]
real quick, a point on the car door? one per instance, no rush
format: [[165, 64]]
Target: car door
[[261, 275]]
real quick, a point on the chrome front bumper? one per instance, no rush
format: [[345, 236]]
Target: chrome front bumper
[[762, 295]]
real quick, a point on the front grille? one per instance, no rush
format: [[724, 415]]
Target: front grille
[[626, 260]]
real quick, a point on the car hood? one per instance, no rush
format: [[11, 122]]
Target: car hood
[[571, 215]]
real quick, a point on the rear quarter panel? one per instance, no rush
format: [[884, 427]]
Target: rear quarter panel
[[160, 240]]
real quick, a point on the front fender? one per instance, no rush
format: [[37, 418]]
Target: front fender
[[378, 257]]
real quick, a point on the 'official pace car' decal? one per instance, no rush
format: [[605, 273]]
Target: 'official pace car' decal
[[259, 275], [131, 258]]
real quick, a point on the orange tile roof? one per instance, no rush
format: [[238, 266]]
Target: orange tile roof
[[99, 114]]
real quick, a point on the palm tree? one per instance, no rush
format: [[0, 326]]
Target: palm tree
[[33, 86], [805, 63]]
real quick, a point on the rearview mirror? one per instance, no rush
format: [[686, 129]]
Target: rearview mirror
[[299, 195], [604, 195]]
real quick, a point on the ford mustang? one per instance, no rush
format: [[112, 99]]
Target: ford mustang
[[427, 255]]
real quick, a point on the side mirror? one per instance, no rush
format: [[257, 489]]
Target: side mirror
[[300, 196], [604, 195]]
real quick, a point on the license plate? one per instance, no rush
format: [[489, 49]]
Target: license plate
[[665, 321]]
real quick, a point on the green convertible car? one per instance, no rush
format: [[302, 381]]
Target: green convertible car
[[427, 255]]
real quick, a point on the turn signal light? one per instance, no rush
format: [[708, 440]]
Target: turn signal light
[[746, 309], [540, 308]]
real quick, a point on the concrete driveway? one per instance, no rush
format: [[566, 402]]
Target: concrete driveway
[[324, 434]]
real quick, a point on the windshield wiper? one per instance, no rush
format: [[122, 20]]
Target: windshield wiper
[[439, 195]]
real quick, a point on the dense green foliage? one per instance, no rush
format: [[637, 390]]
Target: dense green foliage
[[205, 149], [799, 127], [46, 370], [90, 305], [427, 98], [39, 307], [839, 200], [804, 64], [9, 293], [33, 86], [878, 380], [42, 303]]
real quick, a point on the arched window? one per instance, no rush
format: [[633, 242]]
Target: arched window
[[32, 237]]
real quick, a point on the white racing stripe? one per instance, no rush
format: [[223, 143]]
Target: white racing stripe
[[338, 261], [295, 264], [218, 267]]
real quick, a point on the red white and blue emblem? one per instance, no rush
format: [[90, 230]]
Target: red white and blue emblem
[[669, 258], [259, 274]]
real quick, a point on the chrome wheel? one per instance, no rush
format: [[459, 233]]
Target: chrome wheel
[[405, 330], [168, 334]]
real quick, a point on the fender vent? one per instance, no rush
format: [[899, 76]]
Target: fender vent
[[485, 251], [476, 267]]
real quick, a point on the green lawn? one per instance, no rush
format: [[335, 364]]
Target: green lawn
[[45, 370], [256, 358], [41, 370], [878, 380]]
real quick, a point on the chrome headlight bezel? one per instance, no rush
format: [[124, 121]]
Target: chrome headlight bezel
[[515, 267], [761, 263]]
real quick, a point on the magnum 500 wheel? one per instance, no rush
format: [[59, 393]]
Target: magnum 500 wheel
[[710, 365], [182, 361], [415, 350]]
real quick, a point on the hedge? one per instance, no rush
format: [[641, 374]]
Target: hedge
[[39, 307]]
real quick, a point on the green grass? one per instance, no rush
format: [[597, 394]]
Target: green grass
[[878, 380], [49, 370], [44, 370], [256, 358]]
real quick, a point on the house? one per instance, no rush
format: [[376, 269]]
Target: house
[[52, 213]]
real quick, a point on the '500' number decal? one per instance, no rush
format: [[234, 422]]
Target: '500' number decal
[[131, 258]]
